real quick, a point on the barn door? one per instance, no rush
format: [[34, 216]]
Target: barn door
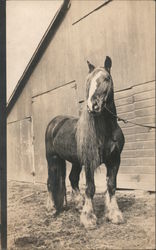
[[20, 150], [60, 101]]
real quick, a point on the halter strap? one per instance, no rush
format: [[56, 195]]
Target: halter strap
[[127, 121]]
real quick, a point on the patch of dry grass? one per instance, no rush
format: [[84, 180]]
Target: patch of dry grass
[[30, 226]]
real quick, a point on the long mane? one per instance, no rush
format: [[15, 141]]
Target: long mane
[[87, 140], [93, 131]]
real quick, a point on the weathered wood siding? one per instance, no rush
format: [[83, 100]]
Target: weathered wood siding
[[23, 106], [60, 101], [20, 155], [137, 104], [124, 30]]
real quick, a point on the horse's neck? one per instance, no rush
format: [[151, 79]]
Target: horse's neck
[[104, 126], [93, 132], [106, 123]]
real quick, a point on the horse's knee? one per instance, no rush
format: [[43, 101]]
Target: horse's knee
[[74, 178], [90, 190], [111, 184]]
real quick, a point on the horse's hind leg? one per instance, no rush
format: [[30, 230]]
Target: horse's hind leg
[[74, 180], [112, 211], [56, 180], [75, 176], [88, 218]]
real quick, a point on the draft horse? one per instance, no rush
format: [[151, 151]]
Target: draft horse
[[88, 141]]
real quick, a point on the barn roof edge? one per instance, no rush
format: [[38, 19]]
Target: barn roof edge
[[47, 37]]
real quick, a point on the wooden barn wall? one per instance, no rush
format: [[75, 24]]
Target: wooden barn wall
[[20, 153], [53, 103], [23, 105], [124, 30], [137, 105]]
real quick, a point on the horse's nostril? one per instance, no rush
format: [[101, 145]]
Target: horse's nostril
[[95, 107]]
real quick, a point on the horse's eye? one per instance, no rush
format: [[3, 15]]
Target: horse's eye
[[107, 78]]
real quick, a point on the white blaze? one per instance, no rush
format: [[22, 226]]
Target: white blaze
[[93, 87]]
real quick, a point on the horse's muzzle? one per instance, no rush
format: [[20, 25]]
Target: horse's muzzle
[[94, 111]]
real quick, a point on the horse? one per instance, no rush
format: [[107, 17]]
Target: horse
[[93, 139]]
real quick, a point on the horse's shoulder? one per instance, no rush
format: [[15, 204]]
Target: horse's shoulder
[[117, 138], [118, 133]]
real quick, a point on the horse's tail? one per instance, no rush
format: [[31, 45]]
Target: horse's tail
[[56, 166], [56, 180]]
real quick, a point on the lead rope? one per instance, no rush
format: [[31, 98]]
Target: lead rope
[[127, 121]]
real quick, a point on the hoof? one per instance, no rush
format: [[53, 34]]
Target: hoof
[[78, 200], [115, 216], [88, 220]]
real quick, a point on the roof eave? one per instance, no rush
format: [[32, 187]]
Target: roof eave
[[49, 34]]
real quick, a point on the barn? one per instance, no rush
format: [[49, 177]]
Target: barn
[[53, 83]]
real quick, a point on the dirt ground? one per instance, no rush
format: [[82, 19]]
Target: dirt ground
[[30, 226]]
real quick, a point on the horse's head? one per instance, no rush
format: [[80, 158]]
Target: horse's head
[[99, 86]]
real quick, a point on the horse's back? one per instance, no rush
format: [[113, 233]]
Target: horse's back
[[56, 123]]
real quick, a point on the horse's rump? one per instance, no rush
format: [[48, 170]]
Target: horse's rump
[[60, 137]]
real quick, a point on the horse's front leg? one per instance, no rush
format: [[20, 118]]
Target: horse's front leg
[[87, 217], [112, 211]]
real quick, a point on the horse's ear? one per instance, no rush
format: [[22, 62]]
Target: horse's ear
[[108, 63], [91, 66]]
